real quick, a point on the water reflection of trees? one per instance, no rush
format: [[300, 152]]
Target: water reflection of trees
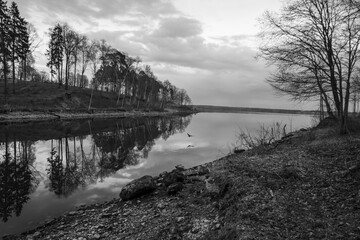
[[17, 180], [76, 161], [71, 165]]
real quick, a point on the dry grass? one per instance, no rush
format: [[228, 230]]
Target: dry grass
[[36, 96], [306, 188]]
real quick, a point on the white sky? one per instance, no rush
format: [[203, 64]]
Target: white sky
[[204, 46]]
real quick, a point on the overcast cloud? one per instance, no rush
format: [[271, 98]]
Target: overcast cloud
[[191, 48]]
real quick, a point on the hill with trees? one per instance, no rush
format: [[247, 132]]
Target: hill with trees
[[84, 73]]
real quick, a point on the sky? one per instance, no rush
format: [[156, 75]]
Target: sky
[[207, 47]]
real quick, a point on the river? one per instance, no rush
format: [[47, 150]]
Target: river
[[49, 168]]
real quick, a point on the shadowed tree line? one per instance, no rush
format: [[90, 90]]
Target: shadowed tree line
[[314, 45], [17, 180], [71, 166], [77, 161]]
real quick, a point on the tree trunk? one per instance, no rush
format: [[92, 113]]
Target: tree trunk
[[66, 73], [354, 106], [4, 69], [75, 79], [13, 64], [91, 96], [344, 121], [61, 73], [333, 83], [25, 67]]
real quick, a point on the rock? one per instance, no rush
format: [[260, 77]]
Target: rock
[[179, 219], [138, 187], [202, 170], [290, 172], [357, 200], [173, 177], [354, 172], [161, 175], [197, 171], [239, 150], [180, 167], [105, 215], [211, 186], [174, 188], [72, 213], [96, 236], [161, 205]]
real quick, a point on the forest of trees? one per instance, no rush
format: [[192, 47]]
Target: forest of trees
[[71, 54], [14, 43], [75, 60], [18, 41], [314, 46]]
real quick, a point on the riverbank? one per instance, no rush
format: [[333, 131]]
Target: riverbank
[[305, 186], [37, 116], [44, 101]]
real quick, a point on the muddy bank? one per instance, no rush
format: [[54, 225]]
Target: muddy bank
[[305, 186], [21, 116]]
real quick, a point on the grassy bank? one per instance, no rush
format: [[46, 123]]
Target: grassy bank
[[43, 96], [36, 101], [38, 96], [304, 186]]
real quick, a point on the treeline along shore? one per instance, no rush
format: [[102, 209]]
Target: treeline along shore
[[225, 109], [39, 101]]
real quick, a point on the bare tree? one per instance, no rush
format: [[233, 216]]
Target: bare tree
[[71, 41], [314, 45]]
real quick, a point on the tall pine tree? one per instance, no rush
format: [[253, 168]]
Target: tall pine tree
[[16, 31], [4, 41], [24, 44], [55, 51]]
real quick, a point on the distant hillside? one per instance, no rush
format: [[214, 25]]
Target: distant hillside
[[222, 109]]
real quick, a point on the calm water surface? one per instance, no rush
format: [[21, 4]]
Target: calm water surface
[[49, 168]]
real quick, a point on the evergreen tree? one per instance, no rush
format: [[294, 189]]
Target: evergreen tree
[[4, 41], [24, 44], [17, 31], [55, 51]]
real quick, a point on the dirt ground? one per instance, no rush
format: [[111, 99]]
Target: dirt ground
[[305, 186]]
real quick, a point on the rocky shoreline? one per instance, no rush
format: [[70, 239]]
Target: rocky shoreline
[[304, 186], [160, 214]]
